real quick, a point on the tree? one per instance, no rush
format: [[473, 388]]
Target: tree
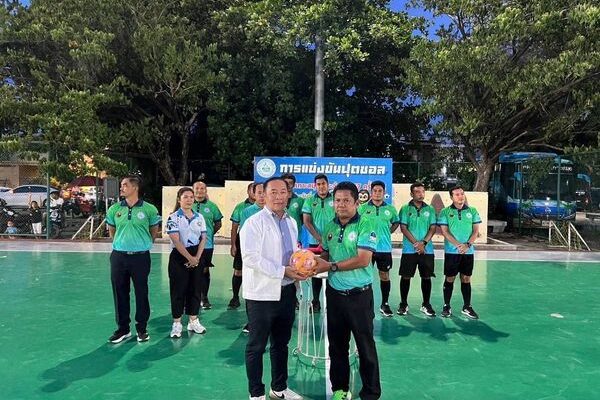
[[268, 105], [125, 76], [509, 75]]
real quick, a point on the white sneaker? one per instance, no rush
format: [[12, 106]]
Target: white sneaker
[[258, 397], [176, 330], [286, 394], [196, 326]]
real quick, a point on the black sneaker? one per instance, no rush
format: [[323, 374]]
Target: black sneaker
[[428, 310], [143, 336], [234, 303], [385, 310], [206, 304], [246, 329], [316, 306], [119, 336], [403, 309], [469, 312], [446, 311]]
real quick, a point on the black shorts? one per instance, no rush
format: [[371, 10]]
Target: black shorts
[[410, 262], [237, 259], [383, 261], [458, 263], [206, 258]]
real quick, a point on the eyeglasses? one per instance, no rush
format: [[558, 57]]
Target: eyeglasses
[[344, 201]]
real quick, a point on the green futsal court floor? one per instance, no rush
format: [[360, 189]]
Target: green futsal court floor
[[538, 337]]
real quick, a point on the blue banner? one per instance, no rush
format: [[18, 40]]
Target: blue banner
[[361, 171]]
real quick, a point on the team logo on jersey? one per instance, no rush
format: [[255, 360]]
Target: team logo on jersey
[[207, 210], [330, 236], [373, 237], [387, 212], [266, 168], [369, 212], [171, 224], [426, 213], [469, 215], [352, 236], [330, 203], [295, 205], [119, 215], [315, 204], [141, 215], [451, 215]]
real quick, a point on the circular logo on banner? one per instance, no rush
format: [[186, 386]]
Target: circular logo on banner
[[141, 215], [266, 168]]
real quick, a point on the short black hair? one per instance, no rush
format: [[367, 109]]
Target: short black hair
[[251, 186], [347, 185], [255, 185], [321, 176], [273, 179], [287, 175], [377, 183], [136, 180], [418, 184], [452, 189]]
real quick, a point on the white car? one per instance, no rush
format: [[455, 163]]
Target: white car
[[20, 196], [4, 189]]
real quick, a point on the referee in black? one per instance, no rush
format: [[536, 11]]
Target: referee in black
[[132, 224]]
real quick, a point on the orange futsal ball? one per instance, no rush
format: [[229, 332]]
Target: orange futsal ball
[[303, 261]]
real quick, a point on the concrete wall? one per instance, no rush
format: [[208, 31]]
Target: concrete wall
[[235, 191]]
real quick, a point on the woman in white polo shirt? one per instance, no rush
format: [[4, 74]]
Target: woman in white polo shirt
[[187, 231]]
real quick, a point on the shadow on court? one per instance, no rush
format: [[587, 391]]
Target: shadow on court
[[232, 319], [234, 355], [435, 327], [390, 330], [92, 365], [162, 348], [480, 329]]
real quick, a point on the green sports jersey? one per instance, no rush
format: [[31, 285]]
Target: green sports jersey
[[417, 221], [321, 211], [211, 214], [236, 215], [342, 243], [383, 217], [248, 212], [132, 225], [460, 224], [294, 209]]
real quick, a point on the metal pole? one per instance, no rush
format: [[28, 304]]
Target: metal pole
[[319, 96], [520, 167], [558, 189]]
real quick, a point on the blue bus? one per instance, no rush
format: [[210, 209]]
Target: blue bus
[[515, 189]]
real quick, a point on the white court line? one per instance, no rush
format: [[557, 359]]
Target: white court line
[[490, 255]]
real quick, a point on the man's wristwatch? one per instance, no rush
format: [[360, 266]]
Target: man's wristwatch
[[468, 244], [333, 267]]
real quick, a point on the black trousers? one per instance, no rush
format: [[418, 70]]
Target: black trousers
[[345, 315], [126, 268], [184, 284], [270, 320]]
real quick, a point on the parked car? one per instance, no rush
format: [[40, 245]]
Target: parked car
[[19, 196], [4, 189]]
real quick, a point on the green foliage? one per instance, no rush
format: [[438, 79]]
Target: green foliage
[[511, 75]]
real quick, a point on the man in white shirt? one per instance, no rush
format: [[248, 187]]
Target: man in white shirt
[[268, 239]]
